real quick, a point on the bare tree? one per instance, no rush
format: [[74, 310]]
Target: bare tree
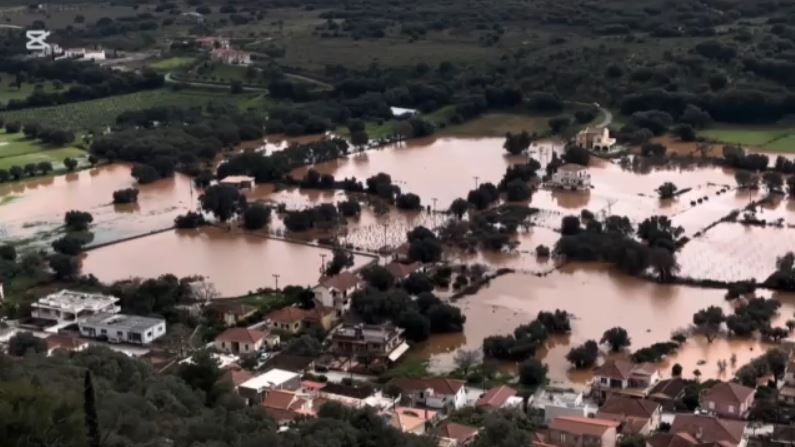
[[465, 359], [204, 291]]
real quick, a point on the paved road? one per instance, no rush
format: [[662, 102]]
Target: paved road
[[607, 116], [170, 80]]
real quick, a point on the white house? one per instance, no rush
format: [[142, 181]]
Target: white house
[[434, 392], [556, 403], [571, 176], [68, 305], [120, 328], [596, 139], [334, 291], [255, 389], [231, 56], [239, 340]]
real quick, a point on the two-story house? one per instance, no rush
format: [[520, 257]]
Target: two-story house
[[623, 377], [728, 400], [574, 431], [239, 340], [434, 392], [335, 291], [692, 430], [636, 416]]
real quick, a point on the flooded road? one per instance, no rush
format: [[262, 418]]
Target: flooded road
[[236, 263], [36, 206], [600, 299]]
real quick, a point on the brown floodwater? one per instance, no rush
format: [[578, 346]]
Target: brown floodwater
[[444, 168], [235, 262], [599, 298], [38, 205]]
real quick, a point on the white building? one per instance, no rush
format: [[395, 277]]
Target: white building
[[434, 392], [84, 54], [334, 291], [231, 56], [401, 112], [595, 139], [571, 176], [68, 305], [557, 403], [255, 389], [120, 328]]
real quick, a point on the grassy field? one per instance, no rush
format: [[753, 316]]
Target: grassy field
[[779, 138], [99, 113], [497, 124], [15, 150], [172, 63], [9, 91]]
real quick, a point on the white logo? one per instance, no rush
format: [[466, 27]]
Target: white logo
[[37, 40]]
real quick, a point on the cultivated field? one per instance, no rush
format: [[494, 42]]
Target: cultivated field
[[15, 150], [779, 137]]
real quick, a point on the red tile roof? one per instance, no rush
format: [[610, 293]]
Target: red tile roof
[[236, 376], [400, 271], [289, 314], [582, 425], [728, 393], [459, 432], [626, 406], [439, 385], [241, 335], [623, 370], [496, 397], [342, 281], [710, 429], [63, 341]]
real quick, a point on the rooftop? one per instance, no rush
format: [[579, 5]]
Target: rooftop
[[669, 388], [342, 281], [459, 432], [241, 335], [623, 370], [496, 397], [572, 167], [728, 392], [710, 429], [270, 379], [122, 321], [439, 385], [367, 332], [582, 425], [76, 301], [626, 406]]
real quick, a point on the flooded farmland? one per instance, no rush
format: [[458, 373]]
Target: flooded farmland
[[236, 263], [37, 206], [600, 299]]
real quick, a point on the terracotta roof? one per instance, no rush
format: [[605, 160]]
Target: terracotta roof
[[241, 335], [317, 313], [496, 397], [342, 281], [669, 388], [728, 392], [289, 314], [709, 428], [439, 385], [582, 425], [623, 370], [236, 376], [400, 271], [571, 167], [625, 406], [279, 399], [459, 432], [682, 440], [312, 385], [63, 341]]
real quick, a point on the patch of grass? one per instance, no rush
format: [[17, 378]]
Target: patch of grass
[[407, 368], [172, 63], [744, 136], [8, 90], [15, 150], [497, 124], [99, 113], [785, 144]]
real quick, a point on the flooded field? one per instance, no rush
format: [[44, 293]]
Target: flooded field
[[35, 207], [732, 251], [235, 263], [444, 168], [600, 299], [521, 259]]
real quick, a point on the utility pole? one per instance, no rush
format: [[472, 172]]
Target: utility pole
[[276, 279], [385, 227], [434, 211], [476, 181], [322, 263]]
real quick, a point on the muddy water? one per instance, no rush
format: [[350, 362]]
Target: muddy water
[[235, 263], [38, 205], [600, 299], [444, 168], [522, 258]]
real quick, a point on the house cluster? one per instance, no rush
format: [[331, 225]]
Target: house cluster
[[635, 401], [220, 50], [67, 319]]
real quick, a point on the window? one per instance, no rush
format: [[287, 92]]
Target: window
[[731, 408], [119, 333], [103, 332], [711, 405]]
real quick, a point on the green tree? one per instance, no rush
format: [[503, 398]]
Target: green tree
[[77, 220], [708, 321], [90, 411], [359, 139], [70, 163], [65, 267], [45, 167], [617, 338], [256, 216], [8, 252], [22, 343], [223, 201], [516, 144], [584, 356], [340, 260], [459, 207], [667, 190], [532, 373]]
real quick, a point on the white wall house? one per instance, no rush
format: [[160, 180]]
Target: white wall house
[[68, 305], [596, 139], [120, 328], [572, 177]]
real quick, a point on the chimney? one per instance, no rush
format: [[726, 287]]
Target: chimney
[[699, 434]]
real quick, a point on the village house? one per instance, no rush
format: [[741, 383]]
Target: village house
[[57, 342], [241, 182], [452, 434], [355, 396], [691, 430], [68, 305], [667, 392], [571, 176], [231, 56], [574, 431], [233, 313], [728, 400], [256, 389], [84, 54], [120, 328], [433, 392], [412, 420], [235, 375], [595, 139], [285, 406], [623, 377], [334, 291], [296, 363], [293, 319], [211, 42], [383, 341], [499, 397], [636, 416], [555, 403], [239, 340]]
